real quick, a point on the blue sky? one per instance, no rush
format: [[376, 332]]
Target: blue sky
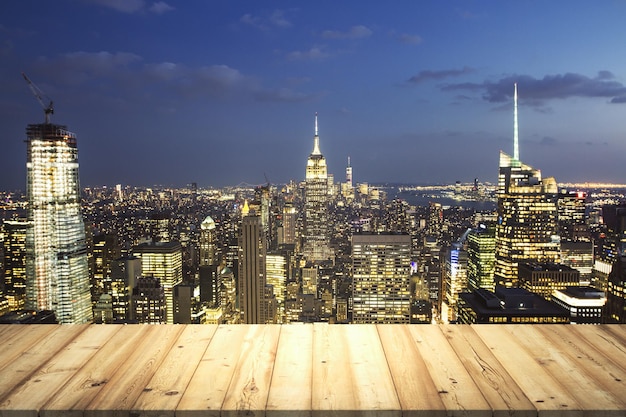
[[223, 92]]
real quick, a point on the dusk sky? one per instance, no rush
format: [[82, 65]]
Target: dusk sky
[[224, 92]]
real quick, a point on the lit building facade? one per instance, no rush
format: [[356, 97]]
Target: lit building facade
[[545, 278], [381, 273], [527, 227], [163, 260], [277, 270], [57, 273], [455, 278], [14, 245], [316, 238], [481, 259]]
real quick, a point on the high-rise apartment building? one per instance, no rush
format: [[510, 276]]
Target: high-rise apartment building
[[381, 269], [252, 270], [163, 260], [57, 273], [316, 238], [527, 227], [124, 273]]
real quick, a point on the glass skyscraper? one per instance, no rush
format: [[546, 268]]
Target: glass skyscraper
[[57, 275]]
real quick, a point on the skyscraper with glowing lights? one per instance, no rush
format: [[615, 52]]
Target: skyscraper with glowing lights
[[527, 228], [57, 274], [316, 239]]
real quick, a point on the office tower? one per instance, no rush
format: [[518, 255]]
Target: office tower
[[148, 301], [545, 278], [481, 258], [435, 219], [208, 269], [104, 250], [103, 310], [57, 273], [252, 270], [381, 278], [316, 239], [277, 270], [208, 242], [124, 272], [14, 245], [228, 295], [572, 221], [527, 228], [289, 223], [455, 279], [163, 260]]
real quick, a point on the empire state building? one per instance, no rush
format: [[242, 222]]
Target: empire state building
[[316, 240]]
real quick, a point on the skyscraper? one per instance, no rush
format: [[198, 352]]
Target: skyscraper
[[15, 232], [252, 270], [163, 260], [527, 228], [316, 239], [381, 268], [56, 258]]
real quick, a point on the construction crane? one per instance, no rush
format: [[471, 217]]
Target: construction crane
[[41, 97]]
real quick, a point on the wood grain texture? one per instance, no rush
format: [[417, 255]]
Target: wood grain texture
[[26, 399], [417, 393], [459, 393], [40, 344], [348, 378], [314, 370], [500, 390], [249, 387], [119, 394], [290, 389], [164, 391], [209, 385], [538, 383]]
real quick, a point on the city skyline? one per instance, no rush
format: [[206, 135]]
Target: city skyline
[[172, 93]]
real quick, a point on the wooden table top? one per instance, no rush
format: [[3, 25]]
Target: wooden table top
[[313, 370]]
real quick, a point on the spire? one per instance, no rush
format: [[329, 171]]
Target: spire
[[515, 132], [348, 162], [316, 140]]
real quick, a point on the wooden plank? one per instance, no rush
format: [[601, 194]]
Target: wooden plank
[[119, 395], [350, 373], [571, 374], [606, 375], [417, 392], [27, 398], [86, 384], [541, 386], [500, 390], [16, 342], [459, 393], [207, 389], [164, 391], [290, 389], [602, 339], [36, 352], [249, 387]]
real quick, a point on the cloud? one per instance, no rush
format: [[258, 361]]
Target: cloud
[[355, 32], [534, 91], [314, 54], [126, 74], [410, 39], [548, 141], [160, 7], [134, 6], [282, 95], [428, 75], [275, 19]]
